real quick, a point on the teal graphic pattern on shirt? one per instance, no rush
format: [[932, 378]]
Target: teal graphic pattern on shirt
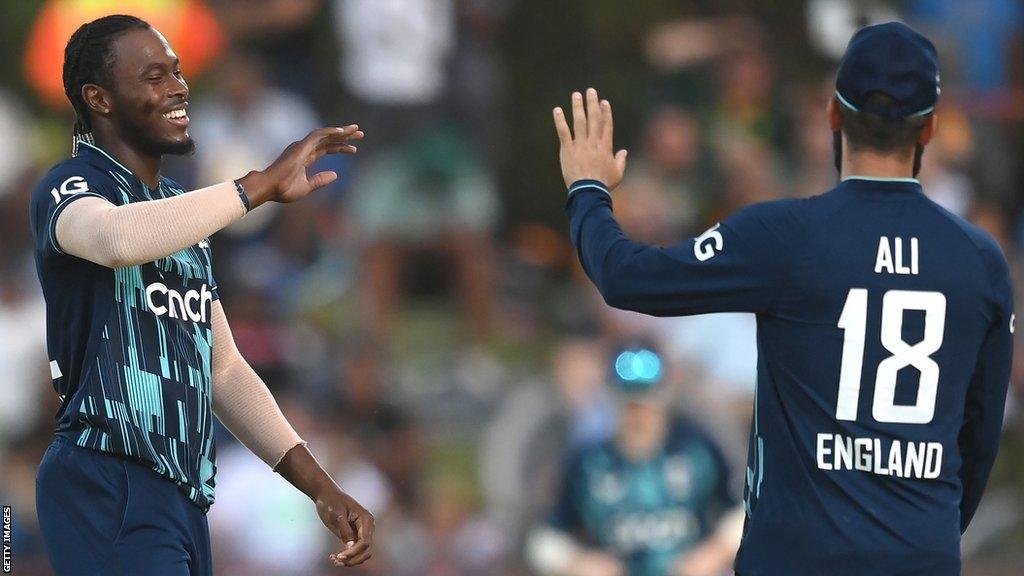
[[647, 513], [130, 347]]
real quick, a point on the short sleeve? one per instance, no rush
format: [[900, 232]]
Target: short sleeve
[[62, 186]]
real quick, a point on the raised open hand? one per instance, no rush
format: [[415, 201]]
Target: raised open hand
[[586, 152], [286, 179]]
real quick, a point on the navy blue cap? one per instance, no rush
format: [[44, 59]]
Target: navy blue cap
[[893, 59]]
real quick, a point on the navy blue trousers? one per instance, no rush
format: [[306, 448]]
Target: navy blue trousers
[[105, 515]]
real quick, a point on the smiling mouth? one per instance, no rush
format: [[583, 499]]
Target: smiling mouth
[[177, 117]]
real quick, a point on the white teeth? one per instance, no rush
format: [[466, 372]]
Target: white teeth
[[175, 114]]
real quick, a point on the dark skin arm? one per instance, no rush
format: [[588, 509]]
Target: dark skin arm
[[342, 515], [286, 180]]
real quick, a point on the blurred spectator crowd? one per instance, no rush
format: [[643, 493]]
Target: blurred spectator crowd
[[424, 322]]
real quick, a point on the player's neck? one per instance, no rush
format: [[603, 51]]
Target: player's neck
[[873, 165], [145, 167], [641, 447]]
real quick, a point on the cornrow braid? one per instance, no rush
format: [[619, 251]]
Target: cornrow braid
[[89, 59]]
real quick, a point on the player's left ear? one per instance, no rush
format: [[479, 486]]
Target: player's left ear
[[835, 120], [928, 131], [97, 99]]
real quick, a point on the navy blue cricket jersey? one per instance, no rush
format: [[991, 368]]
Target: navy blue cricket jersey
[[647, 513], [130, 347], [884, 350]]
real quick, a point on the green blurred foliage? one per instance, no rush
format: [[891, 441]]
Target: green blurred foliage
[[15, 24]]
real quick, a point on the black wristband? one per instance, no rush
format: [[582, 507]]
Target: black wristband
[[242, 195]]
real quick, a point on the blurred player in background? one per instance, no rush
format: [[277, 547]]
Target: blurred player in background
[[651, 501], [141, 354], [884, 327]]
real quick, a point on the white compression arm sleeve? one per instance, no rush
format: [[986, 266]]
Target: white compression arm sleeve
[[96, 230], [242, 401]]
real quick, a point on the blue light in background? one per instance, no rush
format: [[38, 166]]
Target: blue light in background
[[638, 366]]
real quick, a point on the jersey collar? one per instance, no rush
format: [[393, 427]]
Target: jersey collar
[[876, 186], [101, 155], [881, 179]]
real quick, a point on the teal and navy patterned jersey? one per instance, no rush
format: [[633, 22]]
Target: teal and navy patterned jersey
[[646, 513], [129, 347]]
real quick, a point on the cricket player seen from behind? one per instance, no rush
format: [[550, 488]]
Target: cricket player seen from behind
[[884, 327], [140, 351]]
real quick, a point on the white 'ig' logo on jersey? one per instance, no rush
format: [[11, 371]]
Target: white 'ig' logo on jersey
[[69, 187], [708, 244]]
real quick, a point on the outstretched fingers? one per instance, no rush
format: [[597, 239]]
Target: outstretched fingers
[[337, 136], [607, 126], [595, 119], [321, 179], [324, 141], [562, 127], [339, 149], [320, 135], [620, 161], [579, 117]]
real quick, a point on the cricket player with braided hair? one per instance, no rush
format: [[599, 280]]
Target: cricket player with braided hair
[[141, 353], [884, 327]]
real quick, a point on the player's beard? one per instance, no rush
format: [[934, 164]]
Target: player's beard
[[158, 147], [142, 137]]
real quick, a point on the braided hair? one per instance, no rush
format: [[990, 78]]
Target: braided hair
[[89, 59]]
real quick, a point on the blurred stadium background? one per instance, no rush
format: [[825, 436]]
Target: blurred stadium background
[[424, 322]]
